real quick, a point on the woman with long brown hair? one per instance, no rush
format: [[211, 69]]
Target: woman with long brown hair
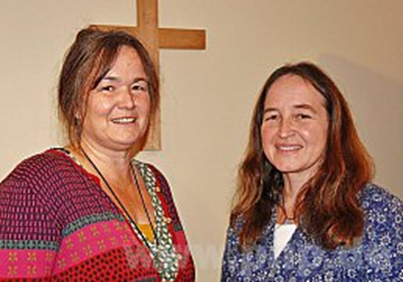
[[305, 208]]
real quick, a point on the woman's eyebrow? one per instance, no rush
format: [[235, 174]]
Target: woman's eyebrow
[[269, 109], [138, 79], [110, 78], [114, 78], [305, 107]]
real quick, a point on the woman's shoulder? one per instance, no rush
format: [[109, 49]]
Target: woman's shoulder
[[382, 240], [47, 156], [156, 179], [383, 212], [152, 173], [144, 166], [375, 197], [45, 161], [35, 180], [44, 167]]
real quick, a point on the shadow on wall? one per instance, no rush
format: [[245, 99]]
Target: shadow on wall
[[376, 103]]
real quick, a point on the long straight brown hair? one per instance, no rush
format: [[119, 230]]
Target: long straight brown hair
[[328, 209]]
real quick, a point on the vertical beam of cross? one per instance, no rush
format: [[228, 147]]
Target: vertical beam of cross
[[154, 38]]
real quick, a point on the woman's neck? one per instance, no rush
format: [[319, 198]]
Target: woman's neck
[[293, 184], [114, 165], [290, 193]]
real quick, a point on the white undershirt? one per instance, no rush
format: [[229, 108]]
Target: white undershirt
[[282, 234]]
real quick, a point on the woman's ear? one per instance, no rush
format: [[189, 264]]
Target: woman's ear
[[78, 115]]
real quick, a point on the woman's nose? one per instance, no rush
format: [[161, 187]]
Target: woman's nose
[[127, 99], [286, 127]]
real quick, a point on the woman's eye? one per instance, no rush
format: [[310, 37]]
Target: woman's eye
[[271, 118], [139, 87], [303, 116], [107, 88]]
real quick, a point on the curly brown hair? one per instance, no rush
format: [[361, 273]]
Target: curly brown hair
[[88, 59]]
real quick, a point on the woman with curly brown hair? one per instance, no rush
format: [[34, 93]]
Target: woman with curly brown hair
[[90, 211], [305, 208]]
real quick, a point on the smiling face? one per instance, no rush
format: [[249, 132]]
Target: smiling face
[[294, 126], [118, 108]]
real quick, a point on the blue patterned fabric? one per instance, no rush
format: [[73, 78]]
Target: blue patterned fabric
[[378, 256]]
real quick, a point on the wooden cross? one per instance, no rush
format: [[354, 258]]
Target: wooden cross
[[154, 38]]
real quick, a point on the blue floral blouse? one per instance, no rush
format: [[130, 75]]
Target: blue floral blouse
[[377, 257]]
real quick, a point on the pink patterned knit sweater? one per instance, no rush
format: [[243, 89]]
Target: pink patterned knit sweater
[[56, 224]]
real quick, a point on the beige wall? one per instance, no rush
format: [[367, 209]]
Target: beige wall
[[208, 95]]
